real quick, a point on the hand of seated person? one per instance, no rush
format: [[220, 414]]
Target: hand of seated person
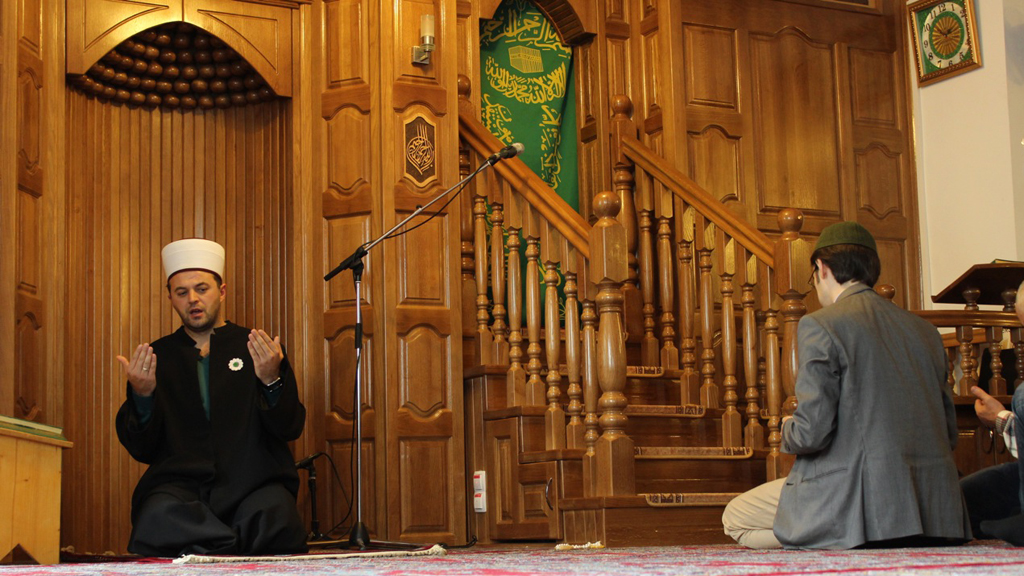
[[986, 407]]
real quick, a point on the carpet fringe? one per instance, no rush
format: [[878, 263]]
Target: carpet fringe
[[435, 550], [588, 546]]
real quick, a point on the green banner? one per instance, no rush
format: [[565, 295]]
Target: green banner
[[529, 96]]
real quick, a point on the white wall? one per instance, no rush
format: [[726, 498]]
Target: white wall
[[970, 159]]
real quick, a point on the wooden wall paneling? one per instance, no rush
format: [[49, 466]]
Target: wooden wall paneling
[[31, 327], [592, 124], [97, 26], [260, 33], [667, 54], [422, 339], [349, 216], [842, 154], [8, 197], [796, 129], [137, 179]]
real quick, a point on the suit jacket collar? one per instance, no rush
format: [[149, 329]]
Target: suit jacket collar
[[855, 288]]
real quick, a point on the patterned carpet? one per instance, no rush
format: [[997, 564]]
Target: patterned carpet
[[719, 560]]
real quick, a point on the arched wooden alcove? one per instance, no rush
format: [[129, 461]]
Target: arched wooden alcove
[[141, 174], [575, 20]]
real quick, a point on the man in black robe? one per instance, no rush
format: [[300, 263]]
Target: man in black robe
[[212, 420]]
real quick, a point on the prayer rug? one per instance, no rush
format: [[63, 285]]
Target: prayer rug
[[976, 559]]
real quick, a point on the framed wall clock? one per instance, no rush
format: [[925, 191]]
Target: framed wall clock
[[945, 39]]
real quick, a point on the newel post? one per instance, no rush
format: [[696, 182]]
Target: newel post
[[792, 270], [608, 266]]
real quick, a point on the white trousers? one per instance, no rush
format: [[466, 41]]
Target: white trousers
[[749, 518]]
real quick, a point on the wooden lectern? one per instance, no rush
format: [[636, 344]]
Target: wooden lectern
[[985, 284], [30, 469]]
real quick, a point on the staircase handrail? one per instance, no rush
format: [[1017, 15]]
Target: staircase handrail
[[528, 184], [693, 194], [977, 318]]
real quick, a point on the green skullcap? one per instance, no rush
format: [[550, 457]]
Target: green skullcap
[[846, 233]]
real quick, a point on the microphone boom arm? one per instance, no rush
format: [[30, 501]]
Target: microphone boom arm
[[361, 251]]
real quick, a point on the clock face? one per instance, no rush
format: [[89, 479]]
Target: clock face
[[943, 36]]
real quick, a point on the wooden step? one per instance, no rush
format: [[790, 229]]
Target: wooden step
[[649, 519], [698, 470]]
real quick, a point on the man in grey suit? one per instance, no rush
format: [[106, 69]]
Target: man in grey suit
[[874, 429]]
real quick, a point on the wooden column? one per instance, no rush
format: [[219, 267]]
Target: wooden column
[[554, 418], [499, 328], [732, 425], [689, 382], [705, 241], [570, 265], [792, 268], [614, 449], [515, 384], [753, 433], [535, 390], [591, 386]]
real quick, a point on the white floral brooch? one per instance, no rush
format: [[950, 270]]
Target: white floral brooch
[[236, 364]]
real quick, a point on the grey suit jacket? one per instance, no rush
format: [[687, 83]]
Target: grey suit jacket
[[873, 432]]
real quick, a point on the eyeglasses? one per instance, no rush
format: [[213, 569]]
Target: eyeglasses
[[810, 281]]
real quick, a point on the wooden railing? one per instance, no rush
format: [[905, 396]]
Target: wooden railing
[[660, 240], [966, 334]]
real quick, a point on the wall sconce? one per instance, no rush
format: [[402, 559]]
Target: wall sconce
[[421, 53]]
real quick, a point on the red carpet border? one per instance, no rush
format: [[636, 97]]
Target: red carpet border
[[719, 560]]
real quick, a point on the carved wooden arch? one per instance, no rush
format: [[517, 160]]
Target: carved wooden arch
[[573, 19], [259, 33]]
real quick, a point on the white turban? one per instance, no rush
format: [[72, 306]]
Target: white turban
[[192, 254]]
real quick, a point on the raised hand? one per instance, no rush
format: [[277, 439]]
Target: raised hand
[[986, 407], [141, 369], [266, 355]]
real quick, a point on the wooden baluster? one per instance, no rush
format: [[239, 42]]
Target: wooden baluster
[[762, 364], [997, 384], [591, 386], [965, 336], [650, 354], [535, 390], [774, 377], [466, 229], [669, 355], [499, 354], [792, 269], [614, 449], [574, 430], [1016, 335], [951, 354], [484, 339], [732, 422], [554, 418], [622, 180], [1017, 339], [649, 350], [689, 383], [664, 209], [753, 432], [515, 384], [709, 395]]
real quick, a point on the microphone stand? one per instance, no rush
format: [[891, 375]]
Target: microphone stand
[[314, 523], [359, 536]]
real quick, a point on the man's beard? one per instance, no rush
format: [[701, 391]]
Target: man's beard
[[202, 324]]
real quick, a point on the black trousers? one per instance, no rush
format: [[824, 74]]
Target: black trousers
[[175, 521]]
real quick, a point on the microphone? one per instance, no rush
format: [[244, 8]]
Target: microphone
[[510, 151], [305, 462]]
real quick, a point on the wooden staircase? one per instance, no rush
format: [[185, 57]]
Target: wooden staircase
[[577, 446], [658, 397], [683, 476]]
